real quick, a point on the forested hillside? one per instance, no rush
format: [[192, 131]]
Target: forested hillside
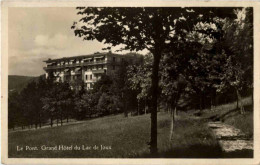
[[17, 83]]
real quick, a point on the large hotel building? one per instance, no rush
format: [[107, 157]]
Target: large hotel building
[[88, 68]]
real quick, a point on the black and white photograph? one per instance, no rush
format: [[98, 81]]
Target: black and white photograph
[[130, 82]]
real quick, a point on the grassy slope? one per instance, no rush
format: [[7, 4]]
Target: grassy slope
[[192, 138], [128, 137], [229, 114]]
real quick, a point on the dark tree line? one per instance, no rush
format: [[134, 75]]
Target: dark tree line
[[26, 108], [48, 101]]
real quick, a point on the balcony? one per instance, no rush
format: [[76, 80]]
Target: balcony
[[74, 65], [52, 67], [77, 73], [94, 63], [100, 71]]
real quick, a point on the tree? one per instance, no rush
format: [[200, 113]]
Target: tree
[[52, 100], [142, 28], [14, 112], [139, 79], [103, 85], [104, 103], [29, 103], [64, 100], [121, 90], [238, 36], [86, 105]]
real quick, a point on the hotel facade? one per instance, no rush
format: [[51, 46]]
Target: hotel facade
[[88, 68]]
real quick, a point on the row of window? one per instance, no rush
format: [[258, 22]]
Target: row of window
[[99, 67], [78, 77], [89, 77], [93, 68]]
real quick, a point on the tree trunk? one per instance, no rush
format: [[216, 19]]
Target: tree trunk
[[203, 100], [173, 114], [172, 124], [169, 108], [175, 111], [237, 103], [252, 97], [153, 105], [145, 106], [200, 101], [242, 111], [211, 101], [40, 121], [61, 119], [166, 107], [138, 107], [51, 121], [126, 111]]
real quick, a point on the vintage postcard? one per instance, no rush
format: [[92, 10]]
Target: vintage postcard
[[130, 82]]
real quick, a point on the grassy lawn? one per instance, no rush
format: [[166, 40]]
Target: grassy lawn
[[127, 137], [191, 139]]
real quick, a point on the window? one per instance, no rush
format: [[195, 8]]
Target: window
[[86, 77], [91, 77], [114, 67], [114, 59], [102, 66], [91, 85]]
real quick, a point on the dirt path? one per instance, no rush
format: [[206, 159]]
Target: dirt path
[[230, 138]]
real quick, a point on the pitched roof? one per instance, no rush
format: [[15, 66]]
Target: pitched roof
[[89, 55]]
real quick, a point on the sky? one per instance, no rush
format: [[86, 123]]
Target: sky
[[36, 34]]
